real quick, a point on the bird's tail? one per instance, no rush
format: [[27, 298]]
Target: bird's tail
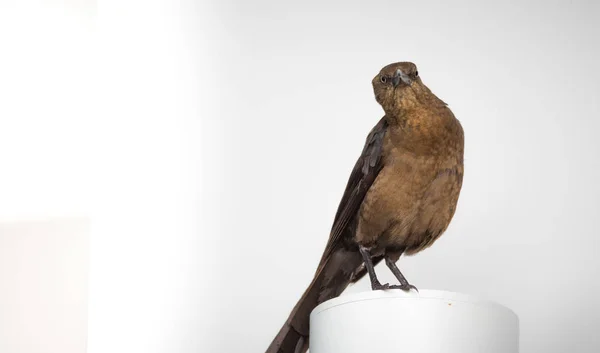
[[332, 277]]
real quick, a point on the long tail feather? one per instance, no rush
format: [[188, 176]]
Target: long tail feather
[[332, 277]]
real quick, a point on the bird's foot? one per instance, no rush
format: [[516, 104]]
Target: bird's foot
[[378, 286], [405, 287]]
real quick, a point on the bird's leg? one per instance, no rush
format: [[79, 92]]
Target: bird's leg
[[404, 285], [375, 285]]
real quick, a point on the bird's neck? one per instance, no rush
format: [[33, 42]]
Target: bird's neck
[[412, 106], [420, 125]]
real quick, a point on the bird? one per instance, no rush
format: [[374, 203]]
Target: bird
[[399, 199]]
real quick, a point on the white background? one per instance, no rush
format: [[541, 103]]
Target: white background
[[46, 116], [212, 142], [43, 286]]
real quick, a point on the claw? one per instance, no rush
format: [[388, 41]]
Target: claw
[[379, 286], [406, 288]]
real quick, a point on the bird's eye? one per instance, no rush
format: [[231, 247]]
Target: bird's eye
[[383, 79], [416, 73]]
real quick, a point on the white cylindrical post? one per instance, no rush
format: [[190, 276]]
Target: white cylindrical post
[[426, 322]]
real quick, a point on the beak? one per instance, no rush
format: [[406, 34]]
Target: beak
[[400, 76]]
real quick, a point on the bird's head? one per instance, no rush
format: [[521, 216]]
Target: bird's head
[[397, 84]]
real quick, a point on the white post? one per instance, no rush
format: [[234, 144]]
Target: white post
[[426, 322]]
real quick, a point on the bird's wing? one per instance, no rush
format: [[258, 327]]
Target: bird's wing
[[362, 177]]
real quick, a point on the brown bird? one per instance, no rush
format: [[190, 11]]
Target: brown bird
[[400, 197]]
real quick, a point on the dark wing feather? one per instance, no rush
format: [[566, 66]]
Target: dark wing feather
[[362, 177]]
